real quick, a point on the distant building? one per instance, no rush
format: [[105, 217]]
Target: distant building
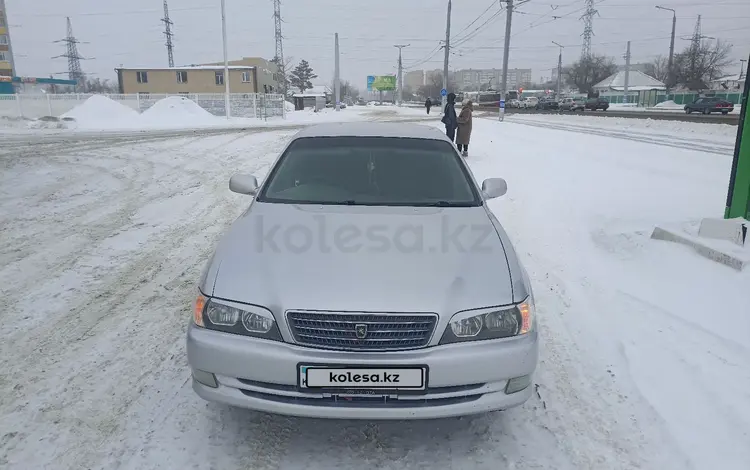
[[7, 66], [637, 81], [643, 68], [414, 79], [269, 78], [732, 83], [185, 80], [483, 79], [248, 75]]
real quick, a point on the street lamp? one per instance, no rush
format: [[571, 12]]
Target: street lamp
[[559, 68], [226, 59], [670, 70]]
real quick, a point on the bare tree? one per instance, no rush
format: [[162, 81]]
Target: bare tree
[[659, 68], [587, 72], [435, 84], [696, 67]]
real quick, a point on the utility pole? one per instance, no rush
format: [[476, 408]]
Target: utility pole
[[626, 98], [400, 73], [559, 69], [337, 78], [74, 59], [670, 65], [742, 67], [506, 51], [226, 58], [168, 33], [444, 99]]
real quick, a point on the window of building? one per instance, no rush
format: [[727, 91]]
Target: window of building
[[245, 77], [219, 78], [2, 20], [141, 77], [2, 56], [3, 39], [182, 76]]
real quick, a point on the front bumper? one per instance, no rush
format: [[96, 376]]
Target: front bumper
[[464, 379]]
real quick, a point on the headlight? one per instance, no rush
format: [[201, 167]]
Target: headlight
[[503, 322], [237, 318]]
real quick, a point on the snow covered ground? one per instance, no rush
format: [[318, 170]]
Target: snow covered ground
[[646, 354]]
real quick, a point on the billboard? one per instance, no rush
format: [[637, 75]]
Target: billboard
[[381, 82]]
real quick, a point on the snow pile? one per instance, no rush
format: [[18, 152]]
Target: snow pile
[[669, 105], [100, 112], [289, 107], [176, 111]]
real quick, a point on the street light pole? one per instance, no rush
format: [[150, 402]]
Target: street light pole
[[226, 59], [444, 99], [559, 69], [670, 68], [400, 95]]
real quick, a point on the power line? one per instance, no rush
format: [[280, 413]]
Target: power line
[[492, 4]]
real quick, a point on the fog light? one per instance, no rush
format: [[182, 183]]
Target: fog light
[[517, 384], [206, 378]]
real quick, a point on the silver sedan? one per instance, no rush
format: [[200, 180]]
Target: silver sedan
[[367, 279]]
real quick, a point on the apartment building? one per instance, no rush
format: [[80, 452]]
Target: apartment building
[[478, 79], [7, 66], [414, 79], [267, 72]]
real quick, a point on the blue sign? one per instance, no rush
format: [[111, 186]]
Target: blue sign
[[370, 81], [502, 103], [443, 92]]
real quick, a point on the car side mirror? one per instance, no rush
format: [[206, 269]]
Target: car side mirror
[[243, 184], [494, 187]]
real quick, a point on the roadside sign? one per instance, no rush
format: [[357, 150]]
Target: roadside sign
[[443, 92], [502, 103]]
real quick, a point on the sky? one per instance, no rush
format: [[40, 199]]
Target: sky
[[130, 34]]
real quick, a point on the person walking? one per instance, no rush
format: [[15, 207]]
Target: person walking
[[449, 117], [464, 127], [428, 105]]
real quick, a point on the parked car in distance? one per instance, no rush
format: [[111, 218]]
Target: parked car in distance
[[290, 317], [545, 104], [529, 102], [708, 105], [595, 104], [572, 104]]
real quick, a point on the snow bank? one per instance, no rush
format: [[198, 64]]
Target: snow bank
[[669, 105], [289, 107], [722, 132], [176, 111], [100, 112]]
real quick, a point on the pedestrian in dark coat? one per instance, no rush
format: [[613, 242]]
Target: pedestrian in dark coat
[[464, 127], [449, 117], [428, 105]]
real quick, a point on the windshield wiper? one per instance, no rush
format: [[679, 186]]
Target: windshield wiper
[[446, 204]]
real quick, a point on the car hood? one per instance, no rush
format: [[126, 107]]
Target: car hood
[[356, 258]]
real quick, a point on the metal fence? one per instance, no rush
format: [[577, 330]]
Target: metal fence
[[654, 97], [246, 105]]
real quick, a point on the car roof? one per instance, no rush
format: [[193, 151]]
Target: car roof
[[373, 129]]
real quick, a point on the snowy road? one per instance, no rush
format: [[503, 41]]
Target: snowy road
[[646, 355]]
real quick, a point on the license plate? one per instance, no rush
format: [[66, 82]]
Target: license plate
[[366, 378]]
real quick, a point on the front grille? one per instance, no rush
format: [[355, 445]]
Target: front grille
[[383, 331]]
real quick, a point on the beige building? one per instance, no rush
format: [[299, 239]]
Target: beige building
[[269, 80], [248, 75]]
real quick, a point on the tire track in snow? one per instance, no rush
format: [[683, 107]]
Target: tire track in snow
[[657, 139]]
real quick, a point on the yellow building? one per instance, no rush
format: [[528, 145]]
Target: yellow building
[[194, 79], [6, 52], [248, 75]]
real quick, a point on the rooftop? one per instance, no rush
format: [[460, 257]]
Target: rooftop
[[191, 67], [373, 129], [636, 81]]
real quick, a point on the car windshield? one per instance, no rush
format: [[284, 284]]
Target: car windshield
[[380, 171]]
